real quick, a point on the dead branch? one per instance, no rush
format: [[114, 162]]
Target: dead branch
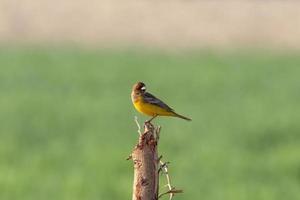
[[164, 168], [171, 192], [148, 165], [138, 125], [145, 157]]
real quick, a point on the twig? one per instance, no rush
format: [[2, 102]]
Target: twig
[[162, 166], [129, 157], [138, 125], [157, 132], [172, 190], [139, 131]]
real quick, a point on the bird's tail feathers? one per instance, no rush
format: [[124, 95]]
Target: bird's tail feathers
[[182, 117]]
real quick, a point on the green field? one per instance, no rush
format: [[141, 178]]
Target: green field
[[67, 123]]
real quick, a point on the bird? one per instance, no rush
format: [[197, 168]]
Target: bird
[[148, 104]]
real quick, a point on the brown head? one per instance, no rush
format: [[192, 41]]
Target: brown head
[[137, 90], [139, 87]]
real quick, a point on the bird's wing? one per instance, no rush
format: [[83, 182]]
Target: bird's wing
[[149, 98]]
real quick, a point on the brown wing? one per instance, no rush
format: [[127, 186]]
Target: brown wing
[[149, 98]]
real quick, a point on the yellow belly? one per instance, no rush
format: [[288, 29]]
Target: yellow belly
[[150, 109]]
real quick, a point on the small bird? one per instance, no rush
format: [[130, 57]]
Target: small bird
[[148, 104]]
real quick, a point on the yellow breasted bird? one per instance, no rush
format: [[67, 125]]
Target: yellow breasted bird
[[149, 105]]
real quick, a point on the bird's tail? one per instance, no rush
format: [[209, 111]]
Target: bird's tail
[[182, 117]]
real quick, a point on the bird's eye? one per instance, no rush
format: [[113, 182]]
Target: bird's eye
[[143, 88]]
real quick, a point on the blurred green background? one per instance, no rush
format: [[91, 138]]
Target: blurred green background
[[67, 123], [66, 117]]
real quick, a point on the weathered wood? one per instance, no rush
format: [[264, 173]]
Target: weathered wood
[[146, 165]]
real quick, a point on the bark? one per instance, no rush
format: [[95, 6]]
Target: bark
[[146, 164]]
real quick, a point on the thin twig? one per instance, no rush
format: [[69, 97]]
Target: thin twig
[[165, 169], [172, 190], [162, 166], [157, 132], [138, 125], [129, 157], [139, 131], [159, 158]]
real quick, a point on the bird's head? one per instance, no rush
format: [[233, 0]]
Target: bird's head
[[139, 88]]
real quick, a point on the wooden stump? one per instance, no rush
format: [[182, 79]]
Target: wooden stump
[[146, 165]]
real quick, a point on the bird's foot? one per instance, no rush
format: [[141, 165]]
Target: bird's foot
[[149, 121]]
